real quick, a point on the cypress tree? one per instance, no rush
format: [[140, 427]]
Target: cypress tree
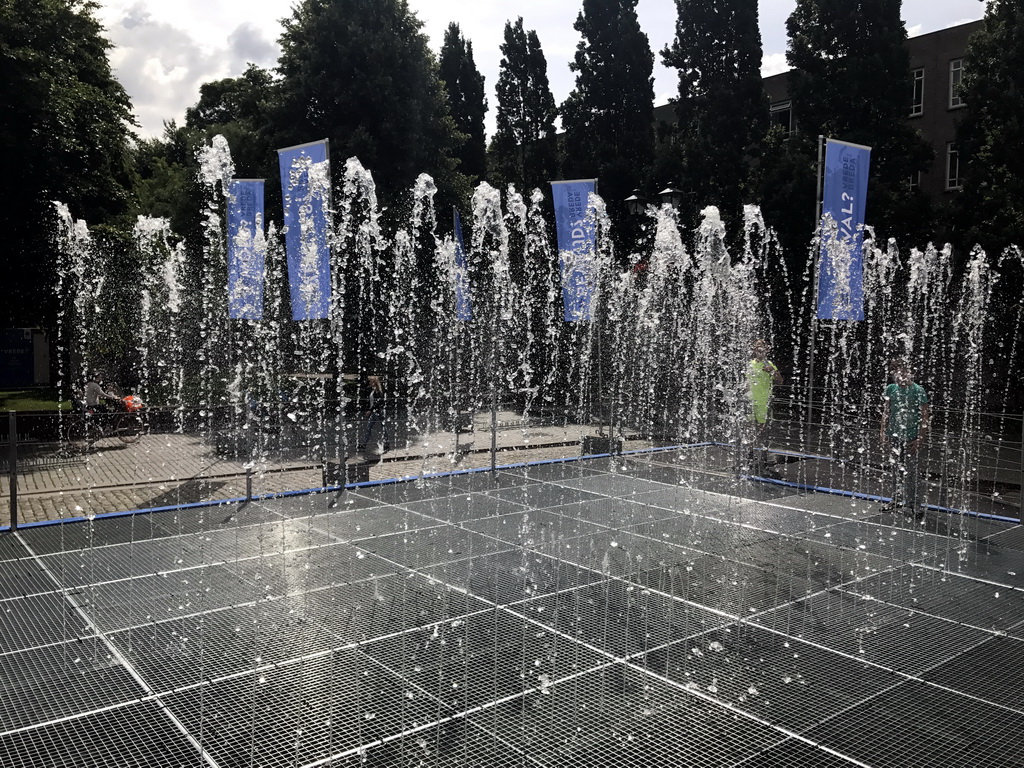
[[722, 106], [851, 81], [524, 150], [466, 98], [360, 73], [992, 131], [609, 116]]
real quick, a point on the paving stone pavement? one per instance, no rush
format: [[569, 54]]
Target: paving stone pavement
[[172, 469], [163, 470]]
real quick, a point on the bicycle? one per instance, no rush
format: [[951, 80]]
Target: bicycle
[[87, 426]]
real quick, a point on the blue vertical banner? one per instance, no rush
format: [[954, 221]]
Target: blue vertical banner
[[306, 188], [247, 249], [844, 197], [576, 239], [463, 304]]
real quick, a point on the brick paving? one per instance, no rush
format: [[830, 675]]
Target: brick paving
[[172, 469]]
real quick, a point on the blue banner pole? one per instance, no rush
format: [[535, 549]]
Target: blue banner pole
[[246, 249], [576, 241], [839, 269], [305, 190], [844, 198]]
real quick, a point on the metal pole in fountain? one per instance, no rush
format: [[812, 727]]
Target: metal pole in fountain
[[492, 377], [451, 316], [409, 320], [814, 307], [490, 246], [494, 426], [12, 465], [214, 354]]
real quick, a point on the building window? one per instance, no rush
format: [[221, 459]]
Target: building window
[[781, 114], [917, 99], [956, 76], [953, 180], [915, 181]]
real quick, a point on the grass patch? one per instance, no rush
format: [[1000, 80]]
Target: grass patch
[[32, 399]]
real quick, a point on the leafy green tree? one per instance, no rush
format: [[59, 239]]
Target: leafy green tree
[[234, 99], [166, 168], [609, 116], [850, 82], [65, 128], [360, 73], [722, 106], [524, 151], [236, 108], [991, 206], [466, 97]]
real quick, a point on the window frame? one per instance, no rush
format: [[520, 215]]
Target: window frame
[[782, 106], [953, 181], [956, 79], [917, 92]]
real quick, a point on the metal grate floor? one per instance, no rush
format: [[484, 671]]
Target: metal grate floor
[[622, 612]]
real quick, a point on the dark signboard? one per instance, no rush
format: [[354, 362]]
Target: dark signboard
[[24, 358]]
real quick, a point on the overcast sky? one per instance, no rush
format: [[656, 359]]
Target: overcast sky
[[165, 49]]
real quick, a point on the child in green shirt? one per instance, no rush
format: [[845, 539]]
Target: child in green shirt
[[905, 417], [762, 376]]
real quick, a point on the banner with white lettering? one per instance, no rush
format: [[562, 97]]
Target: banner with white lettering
[[247, 249], [576, 238], [306, 189], [844, 196], [463, 303]]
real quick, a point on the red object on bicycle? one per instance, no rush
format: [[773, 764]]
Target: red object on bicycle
[[132, 403]]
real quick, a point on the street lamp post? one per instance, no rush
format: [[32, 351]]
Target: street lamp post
[[634, 203], [671, 196]]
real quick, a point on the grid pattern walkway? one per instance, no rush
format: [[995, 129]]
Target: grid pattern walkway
[[626, 612]]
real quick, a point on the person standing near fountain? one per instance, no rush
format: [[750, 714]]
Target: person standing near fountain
[[905, 418], [372, 395], [762, 376]]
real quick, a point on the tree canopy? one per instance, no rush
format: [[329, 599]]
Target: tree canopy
[[232, 99], [609, 116], [722, 106], [360, 73], [524, 150], [65, 124], [992, 130], [851, 81], [240, 109], [467, 99]]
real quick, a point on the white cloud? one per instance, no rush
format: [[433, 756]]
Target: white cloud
[[162, 64], [248, 44], [773, 64]]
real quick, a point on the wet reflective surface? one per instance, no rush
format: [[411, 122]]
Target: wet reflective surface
[[599, 612]]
